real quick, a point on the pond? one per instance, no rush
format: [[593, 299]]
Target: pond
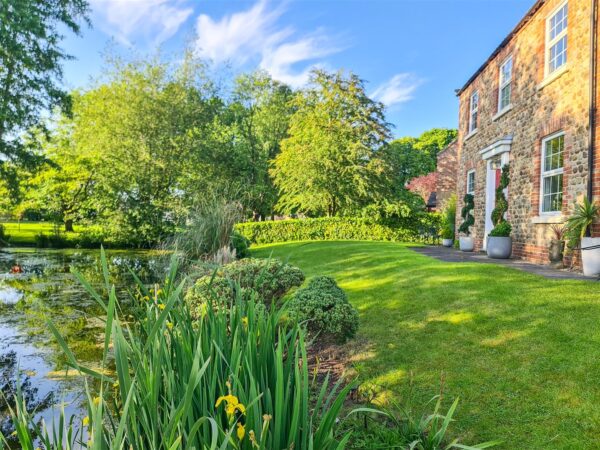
[[45, 289]]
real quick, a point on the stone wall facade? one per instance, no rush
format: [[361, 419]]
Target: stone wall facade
[[446, 173], [541, 105]]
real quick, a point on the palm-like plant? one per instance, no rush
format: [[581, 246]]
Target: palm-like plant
[[579, 224]]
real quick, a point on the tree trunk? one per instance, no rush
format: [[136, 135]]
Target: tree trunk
[[69, 225]]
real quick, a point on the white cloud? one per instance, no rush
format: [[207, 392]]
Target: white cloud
[[398, 89], [254, 35], [152, 20]]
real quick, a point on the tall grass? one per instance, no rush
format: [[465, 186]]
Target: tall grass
[[209, 230], [237, 378]]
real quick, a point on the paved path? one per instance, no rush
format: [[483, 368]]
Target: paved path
[[453, 255]]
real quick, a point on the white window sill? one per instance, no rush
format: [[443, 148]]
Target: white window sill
[[501, 113], [553, 76], [471, 134], [549, 218]]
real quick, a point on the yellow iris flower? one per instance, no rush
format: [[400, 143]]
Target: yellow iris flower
[[232, 405], [241, 431]]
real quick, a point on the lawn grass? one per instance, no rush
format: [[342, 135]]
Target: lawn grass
[[23, 234], [522, 352]]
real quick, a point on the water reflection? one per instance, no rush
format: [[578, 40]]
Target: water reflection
[[47, 290]]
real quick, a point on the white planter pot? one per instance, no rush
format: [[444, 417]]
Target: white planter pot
[[499, 247], [447, 242], [466, 243], [590, 259]]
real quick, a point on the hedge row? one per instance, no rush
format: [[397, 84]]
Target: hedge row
[[418, 229]]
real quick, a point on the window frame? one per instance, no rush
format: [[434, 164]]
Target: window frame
[[550, 43], [550, 173], [506, 83], [469, 174], [473, 126]]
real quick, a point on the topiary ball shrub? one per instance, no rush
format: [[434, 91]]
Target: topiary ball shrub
[[214, 291], [270, 278], [267, 280], [324, 308]]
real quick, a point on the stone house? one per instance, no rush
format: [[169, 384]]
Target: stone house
[[533, 104]]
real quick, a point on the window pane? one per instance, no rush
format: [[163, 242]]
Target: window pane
[[558, 22], [506, 72], [554, 153], [552, 193], [558, 54], [505, 96]]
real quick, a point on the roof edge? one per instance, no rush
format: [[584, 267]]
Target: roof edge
[[524, 21]]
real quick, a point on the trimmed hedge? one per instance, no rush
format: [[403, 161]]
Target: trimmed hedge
[[417, 229]]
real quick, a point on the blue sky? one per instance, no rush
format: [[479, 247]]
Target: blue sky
[[413, 53]]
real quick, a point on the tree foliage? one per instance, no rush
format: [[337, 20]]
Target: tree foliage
[[414, 157], [62, 187], [262, 110], [334, 159], [31, 32]]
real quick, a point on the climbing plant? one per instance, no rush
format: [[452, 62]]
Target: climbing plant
[[465, 213]]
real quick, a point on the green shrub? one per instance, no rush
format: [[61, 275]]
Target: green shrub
[[208, 290], [324, 308], [416, 228], [241, 244], [503, 229], [447, 232], [269, 279], [220, 382]]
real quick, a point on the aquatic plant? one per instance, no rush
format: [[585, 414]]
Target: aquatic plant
[[236, 378]]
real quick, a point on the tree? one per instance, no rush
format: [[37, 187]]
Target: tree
[[63, 186], [333, 161], [262, 110], [30, 70], [413, 157], [155, 132]]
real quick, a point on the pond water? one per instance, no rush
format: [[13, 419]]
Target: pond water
[[47, 290]]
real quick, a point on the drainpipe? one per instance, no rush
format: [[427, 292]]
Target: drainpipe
[[592, 118]]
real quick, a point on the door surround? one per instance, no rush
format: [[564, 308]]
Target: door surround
[[499, 151]]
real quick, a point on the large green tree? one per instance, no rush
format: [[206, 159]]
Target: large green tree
[[262, 111], [63, 186], [31, 32], [333, 161], [414, 157], [154, 130]]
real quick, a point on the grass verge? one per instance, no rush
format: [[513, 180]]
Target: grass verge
[[520, 351]]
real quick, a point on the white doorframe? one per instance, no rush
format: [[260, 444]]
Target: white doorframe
[[490, 154]]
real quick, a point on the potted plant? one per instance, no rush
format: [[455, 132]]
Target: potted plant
[[557, 245], [449, 220], [466, 243], [579, 231], [447, 236], [499, 243]]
